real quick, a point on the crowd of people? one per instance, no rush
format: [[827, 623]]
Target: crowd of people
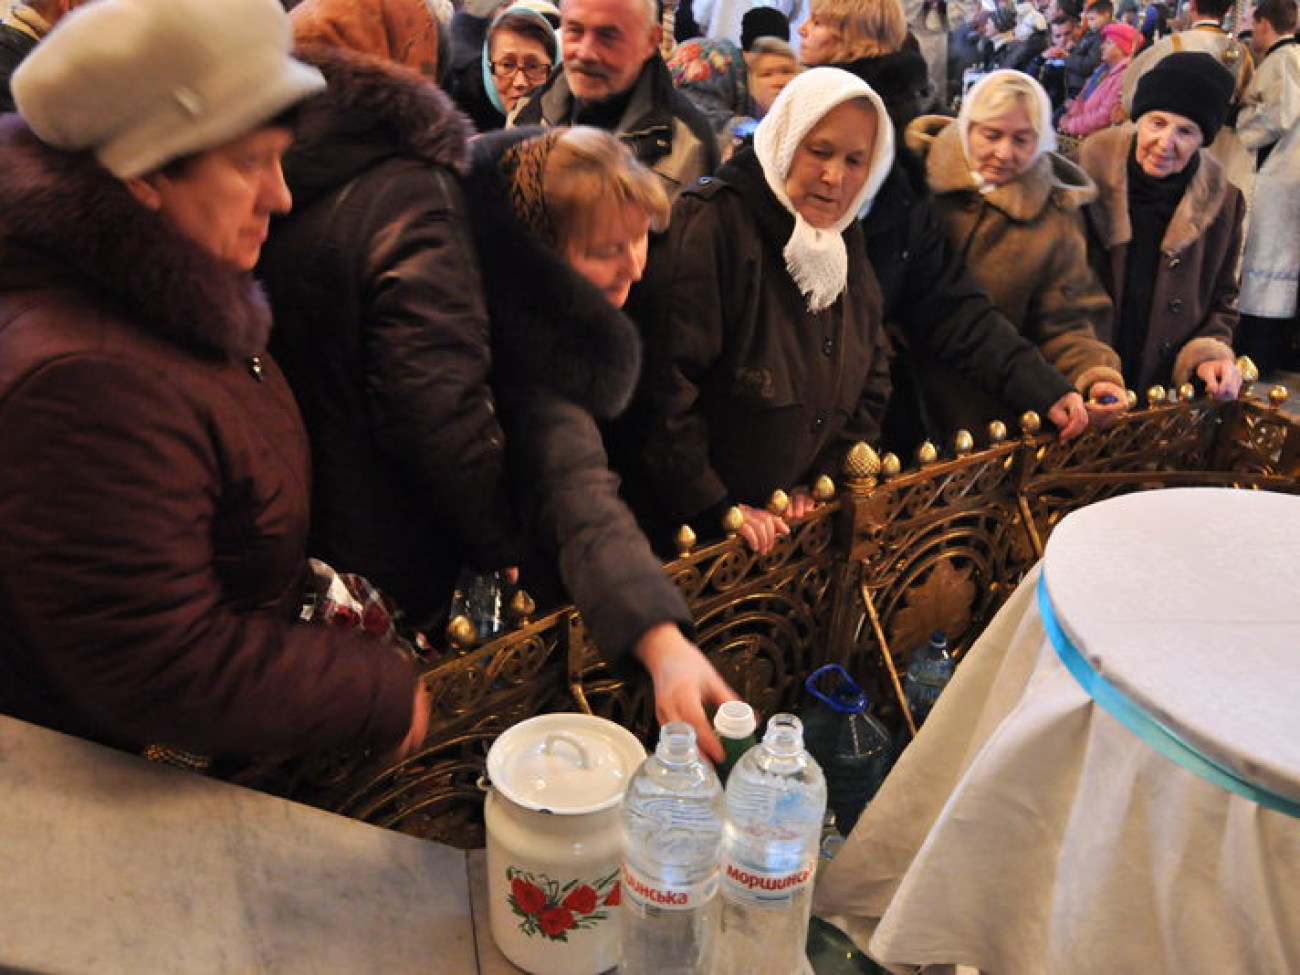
[[387, 289]]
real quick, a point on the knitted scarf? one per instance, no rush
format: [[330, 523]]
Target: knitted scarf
[[817, 259]]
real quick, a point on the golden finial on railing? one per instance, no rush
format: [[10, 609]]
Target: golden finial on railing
[[890, 465], [1277, 396], [861, 461], [1030, 423], [685, 541], [778, 503], [732, 522], [462, 634], [1249, 371], [1186, 392], [927, 454], [1155, 396], [823, 489], [962, 443], [522, 607], [1131, 397], [668, 26], [997, 431]]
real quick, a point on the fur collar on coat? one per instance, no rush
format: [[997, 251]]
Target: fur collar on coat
[[1050, 179], [1105, 157], [67, 212], [372, 110], [550, 326]]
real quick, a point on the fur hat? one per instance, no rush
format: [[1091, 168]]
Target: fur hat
[[762, 22], [1187, 83], [143, 82]]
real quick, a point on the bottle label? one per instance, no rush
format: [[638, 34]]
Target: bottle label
[[652, 892], [764, 886]]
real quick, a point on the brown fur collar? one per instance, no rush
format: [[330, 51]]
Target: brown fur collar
[[372, 110], [1050, 179], [85, 223], [1105, 155]]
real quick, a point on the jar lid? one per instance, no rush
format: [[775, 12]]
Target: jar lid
[[564, 763]]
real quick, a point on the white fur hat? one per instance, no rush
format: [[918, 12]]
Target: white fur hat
[[142, 82]]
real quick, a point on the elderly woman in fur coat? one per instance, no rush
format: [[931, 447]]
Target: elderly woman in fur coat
[[153, 508], [1164, 233], [380, 321], [1012, 210]]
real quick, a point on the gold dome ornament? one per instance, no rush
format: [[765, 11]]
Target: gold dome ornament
[[1277, 396], [1155, 396], [861, 461], [1131, 397], [997, 431], [779, 503], [732, 522], [521, 608], [927, 454], [1186, 392], [1030, 423], [962, 443], [823, 489], [1249, 371], [890, 465], [462, 634], [685, 540]]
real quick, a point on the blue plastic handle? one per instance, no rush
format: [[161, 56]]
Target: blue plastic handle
[[847, 697]]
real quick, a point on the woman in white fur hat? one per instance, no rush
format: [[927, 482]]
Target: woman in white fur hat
[[153, 510], [1013, 210], [766, 353]]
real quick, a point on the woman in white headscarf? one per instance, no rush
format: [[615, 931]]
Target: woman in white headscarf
[[1013, 209], [766, 354]]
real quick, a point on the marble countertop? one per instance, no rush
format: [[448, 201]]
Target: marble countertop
[[111, 864]]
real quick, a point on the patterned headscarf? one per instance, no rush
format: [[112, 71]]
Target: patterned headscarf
[[401, 31], [524, 167], [817, 259], [713, 75]]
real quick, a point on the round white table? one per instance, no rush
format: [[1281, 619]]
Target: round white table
[[1146, 823]]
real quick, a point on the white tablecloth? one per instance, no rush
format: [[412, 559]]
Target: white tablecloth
[[1026, 831]]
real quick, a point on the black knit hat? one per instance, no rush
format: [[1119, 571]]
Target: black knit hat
[[762, 22], [1190, 84]]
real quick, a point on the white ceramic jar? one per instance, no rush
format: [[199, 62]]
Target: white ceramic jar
[[553, 841]]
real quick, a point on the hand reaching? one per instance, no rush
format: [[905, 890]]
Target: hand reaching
[[684, 683]]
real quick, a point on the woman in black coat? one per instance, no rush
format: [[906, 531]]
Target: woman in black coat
[[561, 220]]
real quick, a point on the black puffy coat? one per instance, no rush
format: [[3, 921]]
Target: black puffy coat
[[382, 331]]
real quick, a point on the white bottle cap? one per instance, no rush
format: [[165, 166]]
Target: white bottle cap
[[734, 719]]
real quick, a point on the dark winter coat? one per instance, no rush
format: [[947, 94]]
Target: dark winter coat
[[383, 334], [901, 79], [934, 309], [566, 361], [1194, 308], [1024, 243], [153, 505], [661, 126], [14, 47], [1081, 61], [746, 391]]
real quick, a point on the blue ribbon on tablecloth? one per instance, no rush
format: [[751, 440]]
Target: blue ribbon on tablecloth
[[1144, 725]]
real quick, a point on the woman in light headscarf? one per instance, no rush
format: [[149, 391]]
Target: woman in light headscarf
[[1012, 208], [766, 351], [520, 51]]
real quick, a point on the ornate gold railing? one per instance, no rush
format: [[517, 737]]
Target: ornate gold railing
[[886, 558]]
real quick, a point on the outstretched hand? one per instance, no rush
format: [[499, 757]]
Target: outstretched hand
[[684, 683], [1222, 378], [1069, 415]]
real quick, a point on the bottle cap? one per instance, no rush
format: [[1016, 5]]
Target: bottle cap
[[735, 719]]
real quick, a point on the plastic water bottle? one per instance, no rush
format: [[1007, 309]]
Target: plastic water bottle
[[481, 597], [928, 674], [735, 724], [776, 798], [672, 829], [854, 749]]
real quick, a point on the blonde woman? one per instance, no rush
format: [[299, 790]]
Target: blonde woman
[[869, 38], [561, 222], [1013, 209]]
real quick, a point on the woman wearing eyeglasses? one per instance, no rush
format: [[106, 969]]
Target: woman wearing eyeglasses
[[518, 55]]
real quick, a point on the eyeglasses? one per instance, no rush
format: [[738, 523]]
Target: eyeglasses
[[535, 72]]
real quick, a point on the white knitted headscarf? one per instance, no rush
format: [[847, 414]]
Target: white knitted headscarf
[[817, 259], [989, 86]]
